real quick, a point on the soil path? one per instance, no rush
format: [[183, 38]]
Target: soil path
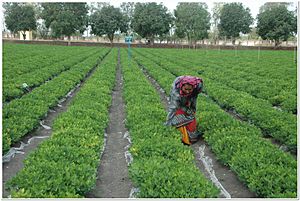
[[206, 161], [32, 140], [14, 163], [240, 118], [113, 180]]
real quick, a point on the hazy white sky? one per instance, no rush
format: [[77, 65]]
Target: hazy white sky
[[253, 5], [171, 4]]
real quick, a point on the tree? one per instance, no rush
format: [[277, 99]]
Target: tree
[[107, 21], [65, 19], [253, 34], [95, 6], [42, 30], [192, 20], [269, 5], [276, 23], [216, 20], [151, 19], [20, 17], [234, 19], [127, 8]]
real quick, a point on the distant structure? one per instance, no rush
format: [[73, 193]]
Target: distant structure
[[28, 35]]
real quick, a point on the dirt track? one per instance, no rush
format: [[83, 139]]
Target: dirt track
[[113, 181], [206, 161], [37, 136]]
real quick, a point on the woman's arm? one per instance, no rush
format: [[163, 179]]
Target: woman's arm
[[173, 105], [198, 90]]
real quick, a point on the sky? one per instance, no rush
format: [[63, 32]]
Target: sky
[[253, 5]]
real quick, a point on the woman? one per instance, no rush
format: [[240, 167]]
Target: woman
[[182, 107]]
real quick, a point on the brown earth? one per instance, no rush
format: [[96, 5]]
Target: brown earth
[[226, 180], [32, 140], [113, 180], [35, 137]]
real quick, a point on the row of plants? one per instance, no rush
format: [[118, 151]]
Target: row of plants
[[265, 169], [15, 53], [270, 80], [21, 116], [65, 165], [278, 88], [162, 166], [21, 59], [12, 86], [256, 63], [282, 126]]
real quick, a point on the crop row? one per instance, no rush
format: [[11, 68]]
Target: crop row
[[12, 87], [162, 167], [66, 164], [31, 59], [265, 169], [280, 125], [20, 116], [261, 80], [16, 53], [268, 64]]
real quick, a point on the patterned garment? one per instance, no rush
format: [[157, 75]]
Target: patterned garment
[[189, 129], [181, 120], [182, 108]]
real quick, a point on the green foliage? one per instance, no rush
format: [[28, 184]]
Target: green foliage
[[108, 20], [64, 18], [65, 166], [276, 23], [168, 148], [262, 166], [37, 65], [20, 17], [234, 19], [270, 174], [227, 84], [20, 116], [127, 8], [267, 170], [162, 178], [192, 20], [162, 167], [151, 19]]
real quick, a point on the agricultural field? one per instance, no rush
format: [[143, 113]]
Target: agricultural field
[[247, 114]]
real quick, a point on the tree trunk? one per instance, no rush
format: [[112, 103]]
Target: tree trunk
[[69, 40], [233, 41], [24, 35], [152, 40], [111, 38]]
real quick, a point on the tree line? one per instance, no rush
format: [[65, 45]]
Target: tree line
[[150, 20]]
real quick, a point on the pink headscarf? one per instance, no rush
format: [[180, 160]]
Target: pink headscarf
[[194, 81]]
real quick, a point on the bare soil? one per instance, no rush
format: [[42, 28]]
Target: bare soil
[[32, 140], [113, 180], [222, 176], [36, 136]]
